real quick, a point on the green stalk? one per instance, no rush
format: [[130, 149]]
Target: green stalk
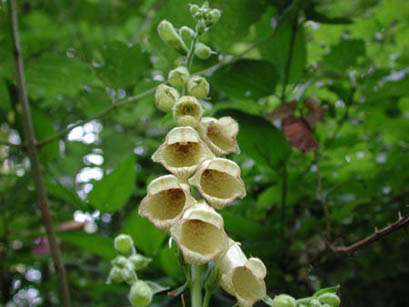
[[207, 297], [196, 286]]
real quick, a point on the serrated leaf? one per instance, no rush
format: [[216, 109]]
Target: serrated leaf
[[113, 190], [124, 65], [259, 139], [246, 79]]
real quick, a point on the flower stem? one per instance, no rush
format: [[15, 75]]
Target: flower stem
[[196, 286], [207, 297]]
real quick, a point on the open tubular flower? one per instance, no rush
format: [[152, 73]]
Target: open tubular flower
[[200, 234], [198, 86], [165, 202], [219, 181], [220, 134], [242, 277], [165, 97], [182, 152], [187, 111]]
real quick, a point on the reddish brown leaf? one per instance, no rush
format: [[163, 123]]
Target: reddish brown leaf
[[41, 247], [299, 134], [283, 110], [71, 226]]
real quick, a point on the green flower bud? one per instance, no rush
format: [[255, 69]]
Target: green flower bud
[[186, 33], [284, 300], [178, 76], [139, 261], [187, 111], [128, 275], [194, 8], [115, 275], [169, 35], [120, 261], [203, 51], [214, 16], [330, 298], [140, 294], [124, 244], [165, 97], [198, 86], [213, 280], [201, 25], [315, 303]]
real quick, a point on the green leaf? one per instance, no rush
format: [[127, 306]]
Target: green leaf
[[93, 243], [51, 75], [43, 128], [124, 65], [241, 226], [113, 190], [334, 289], [313, 14], [260, 139], [5, 102], [67, 195], [345, 54], [237, 17], [276, 49], [146, 237], [169, 262], [249, 79]]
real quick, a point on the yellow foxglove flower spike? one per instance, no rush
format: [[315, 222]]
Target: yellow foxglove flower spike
[[165, 202], [182, 152], [187, 111], [200, 234], [220, 134], [219, 181], [242, 278]]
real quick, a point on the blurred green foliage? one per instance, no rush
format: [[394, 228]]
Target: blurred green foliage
[[81, 56]]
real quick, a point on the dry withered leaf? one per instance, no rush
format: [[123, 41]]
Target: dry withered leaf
[[299, 134], [283, 110]]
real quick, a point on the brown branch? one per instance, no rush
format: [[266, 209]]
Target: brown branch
[[322, 198], [377, 235], [34, 158]]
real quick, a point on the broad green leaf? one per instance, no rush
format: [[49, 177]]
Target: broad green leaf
[[124, 65], [246, 79], [43, 128], [5, 103], [92, 243], [345, 54], [146, 237], [237, 17], [113, 190], [67, 195], [260, 139], [276, 48], [93, 101], [51, 75], [241, 226], [169, 262]]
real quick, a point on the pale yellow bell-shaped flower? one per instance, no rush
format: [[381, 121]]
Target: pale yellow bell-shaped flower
[[220, 134], [200, 234], [182, 152], [165, 202], [187, 111], [242, 277], [219, 181]]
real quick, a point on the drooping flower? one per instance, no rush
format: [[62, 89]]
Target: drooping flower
[[165, 202], [242, 277], [187, 111], [200, 234], [182, 152], [220, 134], [178, 77], [140, 294], [165, 97], [219, 181], [198, 86]]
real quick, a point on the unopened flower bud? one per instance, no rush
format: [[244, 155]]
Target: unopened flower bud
[[315, 303], [139, 262], [140, 294], [220, 134], [169, 35], [165, 202], [284, 300], [194, 8], [214, 16], [115, 275], [120, 261], [201, 25], [124, 244], [219, 182], [198, 86], [330, 298], [186, 33], [203, 51], [165, 97], [178, 76], [182, 152], [187, 111]]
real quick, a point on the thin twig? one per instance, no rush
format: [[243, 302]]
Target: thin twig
[[34, 158], [7, 143], [322, 198], [378, 234]]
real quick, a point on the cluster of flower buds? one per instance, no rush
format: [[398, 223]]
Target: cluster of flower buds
[[321, 298], [193, 153], [124, 268]]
